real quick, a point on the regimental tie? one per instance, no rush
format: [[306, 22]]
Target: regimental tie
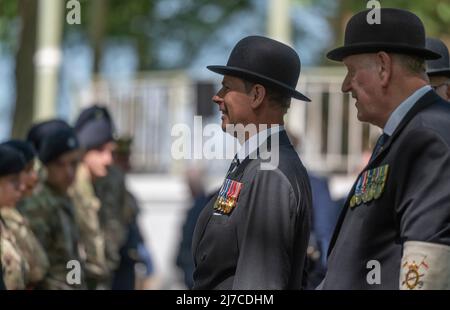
[[379, 146], [234, 164]]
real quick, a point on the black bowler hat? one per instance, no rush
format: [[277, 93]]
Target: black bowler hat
[[439, 66], [266, 61], [94, 127], [11, 161], [24, 147], [399, 31]]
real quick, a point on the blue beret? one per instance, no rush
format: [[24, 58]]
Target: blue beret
[[24, 147], [57, 143], [94, 127], [11, 161], [38, 131]]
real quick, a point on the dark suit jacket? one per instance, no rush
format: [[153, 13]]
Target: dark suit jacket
[[2, 284], [415, 204], [262, 243]]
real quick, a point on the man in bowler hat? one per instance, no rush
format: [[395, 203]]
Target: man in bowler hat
[[438, 70], [254, 232], [393, 232]]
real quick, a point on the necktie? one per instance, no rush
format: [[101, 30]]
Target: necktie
[[233, 165], [379, 146]]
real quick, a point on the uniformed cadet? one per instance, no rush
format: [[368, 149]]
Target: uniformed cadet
[[393, 231], [254, 233], [14, 265], [19, 226], [136, 266], [438, 70], [51, 214], [95, 131], [35, 136]]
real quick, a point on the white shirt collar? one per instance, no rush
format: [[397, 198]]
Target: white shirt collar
[[255, 141]]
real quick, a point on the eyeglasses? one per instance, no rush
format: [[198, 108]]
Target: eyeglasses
[[440, 85]]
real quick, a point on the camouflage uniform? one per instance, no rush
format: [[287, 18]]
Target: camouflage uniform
[[14, 265], [30, 247], [87, 207], [52, 219], [114, 217]]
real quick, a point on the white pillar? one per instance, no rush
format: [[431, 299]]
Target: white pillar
[[279, 21], [48, 57]]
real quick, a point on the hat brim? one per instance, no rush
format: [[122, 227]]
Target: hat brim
[[252, 76], [435, 72], [338, 54]]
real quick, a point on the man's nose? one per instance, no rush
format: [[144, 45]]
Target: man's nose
[[345, 88]]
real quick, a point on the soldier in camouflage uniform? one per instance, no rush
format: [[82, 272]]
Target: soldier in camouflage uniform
[[51, 213], [111, 191], [95, 132], [87, 206], [14, 266], [31, 248], [135, 270]]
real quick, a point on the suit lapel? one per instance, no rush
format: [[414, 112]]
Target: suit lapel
[[426, 100]]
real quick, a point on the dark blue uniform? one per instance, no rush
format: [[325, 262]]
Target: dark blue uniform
[[404, 196], [261, 243]]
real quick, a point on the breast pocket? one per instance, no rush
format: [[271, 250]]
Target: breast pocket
[[220, 219]]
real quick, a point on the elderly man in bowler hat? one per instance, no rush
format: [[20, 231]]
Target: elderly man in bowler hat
[[438, 70], [393, 232], [254, 232]]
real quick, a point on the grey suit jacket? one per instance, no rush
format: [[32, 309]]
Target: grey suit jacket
[[414, 205], [262, 243]]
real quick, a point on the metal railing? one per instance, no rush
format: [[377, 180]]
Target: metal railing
[[332, 138]]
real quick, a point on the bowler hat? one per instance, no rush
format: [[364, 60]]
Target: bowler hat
[[399, 31], [266, 61], [439, 66]]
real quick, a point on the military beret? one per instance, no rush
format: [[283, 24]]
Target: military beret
[[57, 143], [24, 147], [38, 131], [11, 161], [94, 127]]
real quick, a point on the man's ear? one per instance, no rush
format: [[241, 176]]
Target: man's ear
[[257, 94], [384, 62]]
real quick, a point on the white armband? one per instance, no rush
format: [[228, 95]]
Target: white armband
[[425, 266]]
